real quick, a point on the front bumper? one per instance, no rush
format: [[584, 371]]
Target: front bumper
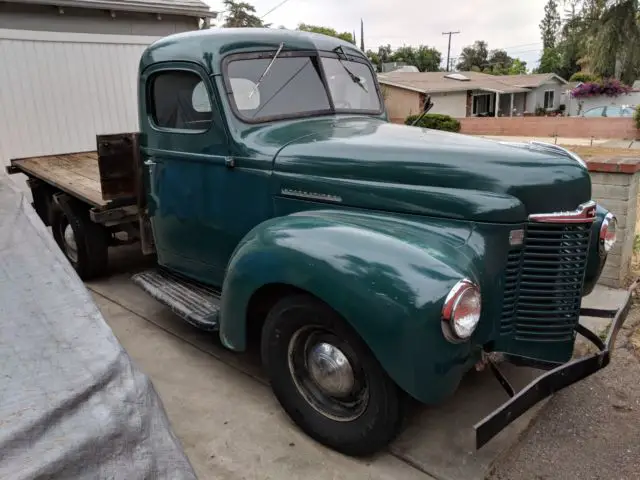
[[555, 379]]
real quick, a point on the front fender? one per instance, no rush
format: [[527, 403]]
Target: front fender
[[387, 276]]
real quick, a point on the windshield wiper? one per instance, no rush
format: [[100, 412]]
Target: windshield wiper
[[266, 70], [355, 78]]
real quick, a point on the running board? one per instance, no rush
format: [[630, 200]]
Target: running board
[[197, 304]]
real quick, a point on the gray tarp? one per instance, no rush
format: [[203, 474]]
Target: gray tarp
[[72, 404]]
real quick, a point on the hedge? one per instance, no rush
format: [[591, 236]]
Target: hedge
[[435, 121]]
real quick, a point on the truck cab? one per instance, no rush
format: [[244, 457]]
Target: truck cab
[[373, 262]]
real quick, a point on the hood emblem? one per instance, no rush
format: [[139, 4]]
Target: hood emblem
[[585, 213], [323, 197]]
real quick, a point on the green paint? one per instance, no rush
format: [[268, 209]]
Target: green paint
[[377, 220]]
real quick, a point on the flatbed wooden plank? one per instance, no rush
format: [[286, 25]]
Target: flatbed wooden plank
[[76, 174]]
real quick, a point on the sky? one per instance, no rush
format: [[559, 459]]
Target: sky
[[512, 26]]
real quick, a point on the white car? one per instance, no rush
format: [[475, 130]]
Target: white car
[[610, 111]]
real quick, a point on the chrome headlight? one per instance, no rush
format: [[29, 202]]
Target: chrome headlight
[[461, 311], [608, 233]]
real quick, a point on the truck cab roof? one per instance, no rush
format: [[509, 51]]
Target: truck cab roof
[[208, 47]]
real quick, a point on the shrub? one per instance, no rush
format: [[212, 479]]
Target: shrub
[[609, 87], [584, 77], [636, 117], [435, 121]]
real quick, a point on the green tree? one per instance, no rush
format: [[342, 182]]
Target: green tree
[[346, 36], [374, 58], [472, 56], [425, 59], [550, 61], [384, 55], [615, 46], [550, 25], [518, 67], [241, 14], [498, 63], [584, 77]]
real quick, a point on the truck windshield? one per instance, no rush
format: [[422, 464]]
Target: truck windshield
[[294, 87]]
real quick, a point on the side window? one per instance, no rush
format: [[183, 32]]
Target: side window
[[549, 98], [179, 100], [614, 111]]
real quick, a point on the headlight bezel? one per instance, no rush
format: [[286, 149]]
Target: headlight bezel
[[605, 245], [450, 326]]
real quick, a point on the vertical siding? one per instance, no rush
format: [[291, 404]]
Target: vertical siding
[[57, 91]]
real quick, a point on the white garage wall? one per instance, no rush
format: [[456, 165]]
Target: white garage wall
[[58, 90], [451, 103]]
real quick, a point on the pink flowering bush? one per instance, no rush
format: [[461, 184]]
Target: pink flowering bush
[[609, 87]]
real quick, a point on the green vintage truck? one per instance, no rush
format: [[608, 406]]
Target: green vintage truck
[[371, 262]]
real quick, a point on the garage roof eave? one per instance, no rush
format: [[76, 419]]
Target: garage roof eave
[[186, 9]]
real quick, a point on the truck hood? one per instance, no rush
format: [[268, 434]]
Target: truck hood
[[369, 163]]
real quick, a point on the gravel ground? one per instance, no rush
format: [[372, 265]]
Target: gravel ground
[[590, 430]]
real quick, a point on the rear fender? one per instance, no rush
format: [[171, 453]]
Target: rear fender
[[387, 276]]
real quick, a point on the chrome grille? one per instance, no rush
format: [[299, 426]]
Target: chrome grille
[[542, 295]]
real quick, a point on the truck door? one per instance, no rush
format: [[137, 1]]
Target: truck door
[[183, 147]]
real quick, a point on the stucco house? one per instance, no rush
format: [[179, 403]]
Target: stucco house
[[468, 94], [69, 68]]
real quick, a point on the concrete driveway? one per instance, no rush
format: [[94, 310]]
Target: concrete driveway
[[231, 426]]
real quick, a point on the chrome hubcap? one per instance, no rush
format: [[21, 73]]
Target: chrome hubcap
[[330, 369], [327, 374], [70, 243]]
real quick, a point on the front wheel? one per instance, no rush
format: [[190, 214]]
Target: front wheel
[[327, 379]]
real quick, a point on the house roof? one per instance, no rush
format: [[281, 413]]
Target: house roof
[[191, 8], [433, 82], [531, 80]]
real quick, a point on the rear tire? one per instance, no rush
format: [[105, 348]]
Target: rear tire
[[84, 243], [353, 407]]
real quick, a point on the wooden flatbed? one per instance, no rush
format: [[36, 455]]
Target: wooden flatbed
[[77, 174], [91, 200], [106, 180]]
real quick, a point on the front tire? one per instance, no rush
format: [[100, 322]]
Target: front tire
[[327, 379]]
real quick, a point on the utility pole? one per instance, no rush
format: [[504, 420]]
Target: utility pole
[[449, 49]]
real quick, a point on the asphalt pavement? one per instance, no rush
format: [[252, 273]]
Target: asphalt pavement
[[589, 431]]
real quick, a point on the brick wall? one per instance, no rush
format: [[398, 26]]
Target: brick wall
[[615, 186], [569, 127]]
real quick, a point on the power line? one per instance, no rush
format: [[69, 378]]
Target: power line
[[449, 48], [274, 8]]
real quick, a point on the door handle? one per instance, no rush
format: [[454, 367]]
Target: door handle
[[149, 163]]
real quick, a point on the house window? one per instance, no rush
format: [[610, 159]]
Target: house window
[[179, 100], [481, 104], [548, 98]]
